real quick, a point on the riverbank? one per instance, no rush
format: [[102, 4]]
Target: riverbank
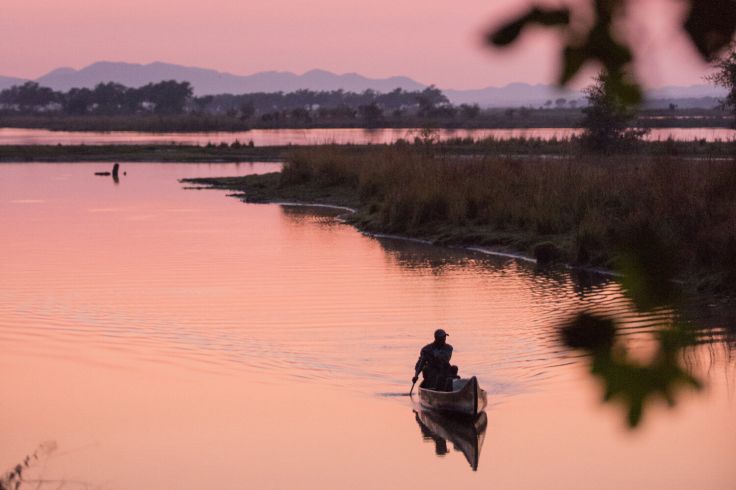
[[496, 118], [612, 212], [425, 143], [141, 153]]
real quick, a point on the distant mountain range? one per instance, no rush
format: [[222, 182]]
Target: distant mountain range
[[206, 82]]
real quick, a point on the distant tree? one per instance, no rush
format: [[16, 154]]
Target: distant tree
[[168, 97], [560, 103], [370, 113], [345, 111], [548, 104], [468, 111], [573, 104], [300, 114], [607, 116], [201, 104], [445, 111], [269, 117], [726, 77], [77, 101], [111, 98], [428, 100], [397, 99], [29, 97], [247, 110]]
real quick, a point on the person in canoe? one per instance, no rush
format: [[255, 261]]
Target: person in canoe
[[434, 364]]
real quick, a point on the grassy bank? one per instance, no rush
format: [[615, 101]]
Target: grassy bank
[[179, 123], [512, 118], [425, 145], [586, 210], [139, 153]]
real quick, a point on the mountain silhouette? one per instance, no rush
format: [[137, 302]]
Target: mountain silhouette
[[207, 82]]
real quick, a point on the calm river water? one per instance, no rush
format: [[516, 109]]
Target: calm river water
[[282, 137], [159, 337]]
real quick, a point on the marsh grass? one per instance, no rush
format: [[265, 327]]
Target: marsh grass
[[492, 118], [589, 206]]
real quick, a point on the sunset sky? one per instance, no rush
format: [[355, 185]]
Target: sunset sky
[[436, 42]]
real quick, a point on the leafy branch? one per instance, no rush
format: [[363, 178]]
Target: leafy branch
[[710, 24]]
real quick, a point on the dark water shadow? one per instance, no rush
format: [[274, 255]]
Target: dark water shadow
[[676, 325], [466, 435]]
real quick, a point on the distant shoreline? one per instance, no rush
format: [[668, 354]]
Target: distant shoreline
[[457, 147], [511, 118], [140, 153]]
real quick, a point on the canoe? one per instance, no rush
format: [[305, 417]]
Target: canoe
[[466, 434], [466, 398]]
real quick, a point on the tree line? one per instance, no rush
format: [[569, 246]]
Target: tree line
[[172, 97], [167, 97]]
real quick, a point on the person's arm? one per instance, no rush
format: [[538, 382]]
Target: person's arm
[[419, 365], [418, 369]]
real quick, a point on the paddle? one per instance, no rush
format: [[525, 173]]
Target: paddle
[[412, 386]]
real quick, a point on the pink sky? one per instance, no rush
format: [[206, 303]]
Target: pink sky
[[438, 41]]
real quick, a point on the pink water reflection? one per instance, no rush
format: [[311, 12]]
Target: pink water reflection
[[283, 137], [170, 338]]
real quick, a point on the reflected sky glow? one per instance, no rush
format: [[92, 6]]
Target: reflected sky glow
[[171, 338]]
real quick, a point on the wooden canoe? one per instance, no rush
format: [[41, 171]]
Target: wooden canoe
[[467, 398]]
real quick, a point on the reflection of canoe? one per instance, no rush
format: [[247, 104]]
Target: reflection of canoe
[[467, 398], [465, 434]]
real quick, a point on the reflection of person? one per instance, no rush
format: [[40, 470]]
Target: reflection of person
[[434, 364], [440, 445]]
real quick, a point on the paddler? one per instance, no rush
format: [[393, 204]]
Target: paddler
[[434, 364]]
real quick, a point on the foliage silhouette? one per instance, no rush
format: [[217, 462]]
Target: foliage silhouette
[[726, 77], [607, 117], [710, 24], [648, 267]]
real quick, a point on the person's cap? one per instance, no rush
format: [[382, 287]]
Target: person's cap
[[440, 333]]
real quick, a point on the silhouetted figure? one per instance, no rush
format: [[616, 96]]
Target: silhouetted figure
[[434, 364], [115, 169]]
